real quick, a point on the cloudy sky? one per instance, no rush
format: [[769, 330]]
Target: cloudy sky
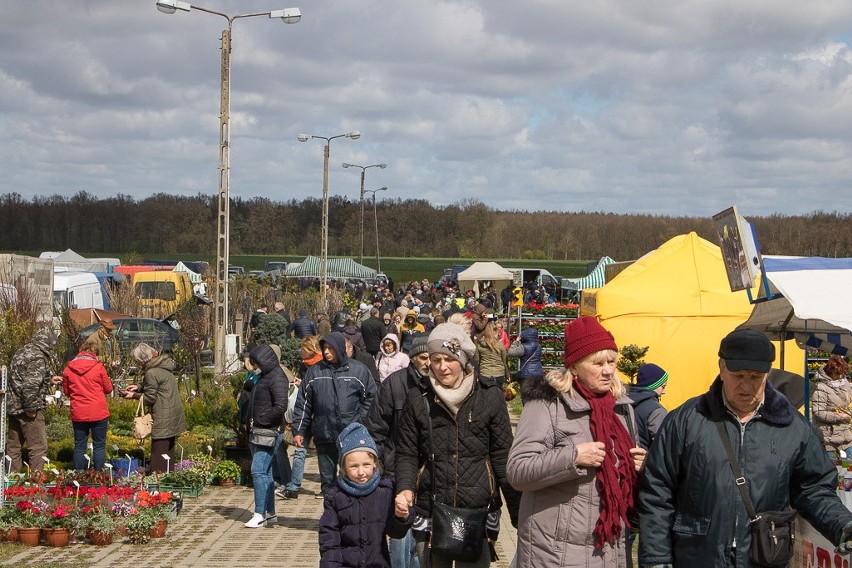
[[673, 107]]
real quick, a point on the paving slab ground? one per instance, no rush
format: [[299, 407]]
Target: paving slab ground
[[209, 532]]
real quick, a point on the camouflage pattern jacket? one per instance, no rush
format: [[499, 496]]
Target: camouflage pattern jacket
[[31, 369]]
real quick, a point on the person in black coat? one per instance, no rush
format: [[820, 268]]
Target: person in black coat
[[267, 405], [358, 509], [303, 326], [373, 330], [471, 438]]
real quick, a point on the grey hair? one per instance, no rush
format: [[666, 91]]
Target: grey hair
[[143, 353]]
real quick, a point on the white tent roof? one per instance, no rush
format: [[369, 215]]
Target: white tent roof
[[813, 305], [484, 271]]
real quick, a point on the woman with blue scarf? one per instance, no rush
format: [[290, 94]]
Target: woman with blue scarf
[[358, 508]]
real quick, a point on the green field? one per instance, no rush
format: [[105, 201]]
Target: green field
[[398, 269]]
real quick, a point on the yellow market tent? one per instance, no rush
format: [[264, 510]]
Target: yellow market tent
[[677, 301]]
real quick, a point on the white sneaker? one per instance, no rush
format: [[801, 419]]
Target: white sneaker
[[256, 521]]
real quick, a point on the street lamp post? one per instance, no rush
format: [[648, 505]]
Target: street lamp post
[[376, 217], [363, 174], [223, 238], [354, 135]]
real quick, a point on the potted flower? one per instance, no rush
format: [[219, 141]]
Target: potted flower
[[30, 521], [100, 527], [159, 505], [121, 510], [139, 526], [58, 524], [8, 524], [227, 472], [189, 482]]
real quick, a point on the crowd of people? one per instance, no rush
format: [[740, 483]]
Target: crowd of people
[[404, 406]]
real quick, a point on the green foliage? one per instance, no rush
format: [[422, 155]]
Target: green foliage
[[226, 470], [630, 360], [101, 521], [15, 332], [121, 414], [290, 354], [272, 328], [184, 478]]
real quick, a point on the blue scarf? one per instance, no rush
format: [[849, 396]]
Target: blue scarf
[[359, 489]]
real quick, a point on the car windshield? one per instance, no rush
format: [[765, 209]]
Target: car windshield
[[156, 291]]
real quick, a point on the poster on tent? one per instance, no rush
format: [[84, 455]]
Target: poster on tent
[[739, 249]]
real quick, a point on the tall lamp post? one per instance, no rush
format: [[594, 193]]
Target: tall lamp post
[[363, 174], [354, 135], [376, 217], [223, 238]]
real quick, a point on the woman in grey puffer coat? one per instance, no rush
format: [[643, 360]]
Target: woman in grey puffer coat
[[162, 399]]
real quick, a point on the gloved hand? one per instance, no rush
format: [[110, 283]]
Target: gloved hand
[[845, 546]]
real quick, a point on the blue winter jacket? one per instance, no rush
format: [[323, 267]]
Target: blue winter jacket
[[529, 364], [333, 396]]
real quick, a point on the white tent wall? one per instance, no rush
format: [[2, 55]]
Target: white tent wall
[[479, 274]]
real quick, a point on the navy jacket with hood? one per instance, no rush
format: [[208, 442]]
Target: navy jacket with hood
[[529, 364], [333, 396]]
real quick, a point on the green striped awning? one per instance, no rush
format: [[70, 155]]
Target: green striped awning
[[337, 268], [595, 279]]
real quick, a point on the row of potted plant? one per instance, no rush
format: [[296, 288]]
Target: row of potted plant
[[554, 309], [56, 512]]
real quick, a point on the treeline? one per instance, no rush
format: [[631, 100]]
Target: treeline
[[172, 224]]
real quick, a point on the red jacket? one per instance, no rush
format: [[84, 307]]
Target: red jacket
[[86, 383]]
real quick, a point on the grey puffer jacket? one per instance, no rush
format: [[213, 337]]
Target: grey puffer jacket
[[162, 399], [560, 503], [690, 513]]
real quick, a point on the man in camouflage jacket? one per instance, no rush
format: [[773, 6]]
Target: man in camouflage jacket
[[32, 374]]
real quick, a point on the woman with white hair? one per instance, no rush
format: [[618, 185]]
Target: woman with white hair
[[575, 457], [162, 399]]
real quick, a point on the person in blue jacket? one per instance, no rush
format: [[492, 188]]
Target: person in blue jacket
[[529, 365], [334, 393]]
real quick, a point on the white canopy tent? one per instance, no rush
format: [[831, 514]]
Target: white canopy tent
[[477, 274], [811, 302]]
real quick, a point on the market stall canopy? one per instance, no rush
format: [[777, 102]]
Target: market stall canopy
[[72, 261], [337, 268], [594, 279], [474, 277], [677, 301], [812, 302], [194, 277]]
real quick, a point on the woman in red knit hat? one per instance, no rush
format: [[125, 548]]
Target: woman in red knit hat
[[576, 459]]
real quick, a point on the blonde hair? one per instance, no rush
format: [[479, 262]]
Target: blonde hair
[[92, 345], [562, 380], [310, 344]]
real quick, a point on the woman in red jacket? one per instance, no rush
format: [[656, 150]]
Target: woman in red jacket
[[86, 383]]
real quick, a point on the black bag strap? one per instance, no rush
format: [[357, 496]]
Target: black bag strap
[[431, 454], [739, 479]]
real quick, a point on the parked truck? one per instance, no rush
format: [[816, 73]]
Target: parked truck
[[79, 290], [161, 292]]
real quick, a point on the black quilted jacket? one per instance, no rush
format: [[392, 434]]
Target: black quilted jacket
[[470, 451]]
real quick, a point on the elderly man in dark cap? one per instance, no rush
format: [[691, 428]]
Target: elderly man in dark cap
[[692, 504]]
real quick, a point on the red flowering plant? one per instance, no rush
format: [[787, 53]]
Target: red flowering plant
[[62, 516], [31, 513], [554, 309], [158, 502]]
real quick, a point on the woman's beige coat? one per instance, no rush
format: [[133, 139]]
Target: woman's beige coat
[[560, 504], [831, 405]]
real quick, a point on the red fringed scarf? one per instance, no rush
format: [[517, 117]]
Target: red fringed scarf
[[617, 475]]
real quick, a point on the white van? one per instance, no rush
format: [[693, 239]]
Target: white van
[[78, 290], [538, 276]]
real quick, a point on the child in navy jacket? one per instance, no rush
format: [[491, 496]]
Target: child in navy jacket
[[359, 508]]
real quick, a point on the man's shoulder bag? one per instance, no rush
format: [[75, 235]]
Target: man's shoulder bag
[[772, 532]]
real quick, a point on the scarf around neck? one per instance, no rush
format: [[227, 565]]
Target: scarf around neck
[[616, 476], [453, 398], [359, 489]]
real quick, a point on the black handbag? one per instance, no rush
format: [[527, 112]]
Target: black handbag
[[457, 532], [772, 532]]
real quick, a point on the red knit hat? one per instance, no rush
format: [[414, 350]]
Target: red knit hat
[[585, 336]]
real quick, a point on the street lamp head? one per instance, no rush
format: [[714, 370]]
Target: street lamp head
[[382, 189], [383, 166], [346, 164], [354, 135], [304, 137], [172, 6], [287, 15]]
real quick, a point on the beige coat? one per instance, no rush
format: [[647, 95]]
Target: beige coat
[[560, 504], [831, 405]]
